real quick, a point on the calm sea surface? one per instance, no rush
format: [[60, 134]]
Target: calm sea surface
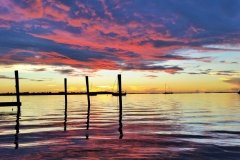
[[152, 126]]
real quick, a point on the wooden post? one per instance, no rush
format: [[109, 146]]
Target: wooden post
[[120, 105], [87, 84], [17, 90], [65, 89], [18, 109], [88, 99], [120, 91], [65, 113]]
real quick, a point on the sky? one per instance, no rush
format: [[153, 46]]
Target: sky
[[189, 46]]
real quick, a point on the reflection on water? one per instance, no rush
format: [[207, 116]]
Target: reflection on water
[[88, 120], [88, 115], [17, 127], [120, 129], [65, 117], [178, 126]]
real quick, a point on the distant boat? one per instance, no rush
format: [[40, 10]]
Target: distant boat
[[167, 92], [117, 94]]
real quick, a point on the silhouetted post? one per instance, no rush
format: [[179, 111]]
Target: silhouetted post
[[120, 105], [65, 89], [87, 85], [88, 99], [18, 109], [120, 91], [65, 113], [17, 89]]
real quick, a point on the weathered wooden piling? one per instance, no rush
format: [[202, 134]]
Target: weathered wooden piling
[[87, 86], [17, 88], [65, 112], [18, 109], [65, 89], [120, 106], [88, 99], [120, 91]]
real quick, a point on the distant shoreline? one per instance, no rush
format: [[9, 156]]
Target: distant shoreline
[[98, 93]]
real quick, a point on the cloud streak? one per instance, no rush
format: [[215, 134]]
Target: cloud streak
[[234, 81], [11, 78]]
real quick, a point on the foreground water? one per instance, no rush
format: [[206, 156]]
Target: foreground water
[[153, 126]]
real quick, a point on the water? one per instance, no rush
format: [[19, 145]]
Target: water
[[153, 126]]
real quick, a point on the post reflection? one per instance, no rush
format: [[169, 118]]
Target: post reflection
[[88, 116], [65, 118], [87, 134], [120, 129], [88, 119], [17, 128]]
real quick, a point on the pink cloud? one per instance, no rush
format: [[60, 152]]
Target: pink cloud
[[17, 13], [92, 39], [106, 10], [34, 10], [5, 25], [91, 29], [62, 6], [54, 14]]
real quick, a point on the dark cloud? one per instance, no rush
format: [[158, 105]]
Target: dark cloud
[[234, 81], [6, 77], [151, 76], [11, 78], [152, 67], [199, 71], [179, 57], [211, 72], [202, 72], [39, 69], [65, 71], [36, 80], [161, 43], [228, 62], [225, 73]]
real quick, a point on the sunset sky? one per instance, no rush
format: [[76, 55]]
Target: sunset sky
[[189, 45]]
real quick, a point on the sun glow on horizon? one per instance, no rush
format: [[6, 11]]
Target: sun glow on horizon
[[42, 78]]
